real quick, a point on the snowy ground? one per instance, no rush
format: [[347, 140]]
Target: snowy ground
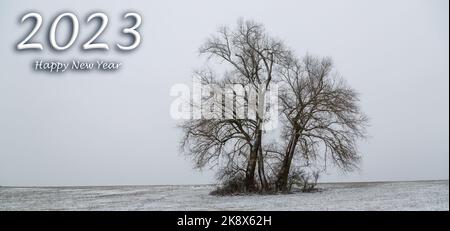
[[420, 195]]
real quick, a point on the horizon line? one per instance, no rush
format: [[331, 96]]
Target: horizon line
[[211, 184]]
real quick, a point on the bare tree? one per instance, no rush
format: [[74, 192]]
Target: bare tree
[[252, 56], [322, 116], [320, 112]]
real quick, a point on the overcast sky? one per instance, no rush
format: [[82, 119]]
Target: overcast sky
[[115, 128]]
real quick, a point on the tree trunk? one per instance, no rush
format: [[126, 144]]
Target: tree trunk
[[261, 171], [251, 165], [282, 181]]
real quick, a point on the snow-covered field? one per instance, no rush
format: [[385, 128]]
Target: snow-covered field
[[419, 195]]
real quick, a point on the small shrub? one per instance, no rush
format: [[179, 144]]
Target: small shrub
[[307, 182], [232, 186]]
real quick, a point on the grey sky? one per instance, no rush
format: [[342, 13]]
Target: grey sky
[[107, 129]]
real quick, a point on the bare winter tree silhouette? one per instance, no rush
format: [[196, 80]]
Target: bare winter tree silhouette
[[320, 115]]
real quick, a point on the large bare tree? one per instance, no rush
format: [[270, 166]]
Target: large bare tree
[[320, 112], [322, 116], [251, 57]]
